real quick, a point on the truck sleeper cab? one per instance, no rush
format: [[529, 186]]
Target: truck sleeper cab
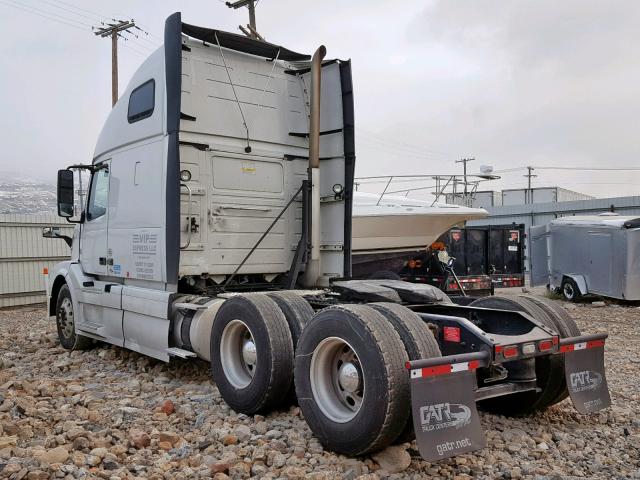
[[218, 226]]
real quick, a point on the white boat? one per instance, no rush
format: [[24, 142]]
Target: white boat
[[399, 224]]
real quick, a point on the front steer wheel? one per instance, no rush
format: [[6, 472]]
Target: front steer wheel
[[350, 379], [251, 353], [65, 322]]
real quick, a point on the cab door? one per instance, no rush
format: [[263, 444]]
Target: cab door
[[93, 244], [100, 300]]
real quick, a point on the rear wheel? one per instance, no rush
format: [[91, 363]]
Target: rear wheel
[[570, 290], [65, 323], [251, 353], [418, 342], [566, 327], [350, 379], [298, 313], [549, 369], [296, 310]]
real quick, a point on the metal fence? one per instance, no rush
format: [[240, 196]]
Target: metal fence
[[542, 213], [24, 254]]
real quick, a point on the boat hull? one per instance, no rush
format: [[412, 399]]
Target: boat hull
[[398, 233]]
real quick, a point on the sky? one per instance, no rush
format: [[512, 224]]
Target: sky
[[540, 83]]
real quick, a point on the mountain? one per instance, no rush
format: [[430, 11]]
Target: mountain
[[23, 194]]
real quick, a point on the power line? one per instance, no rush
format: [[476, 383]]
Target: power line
[[143, 46], [69, 10], [46, 15], [464, 162], [142, 54], [103, 19], [147, 31], [604, 169], [130, 46], [251, 31], [396, 150], [98, 16], [142, 37], [398, 142], [113, 30], [528, 197], [509, 170], [50, 13]]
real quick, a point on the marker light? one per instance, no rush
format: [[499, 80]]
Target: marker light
[[510, 351], [545, 345]]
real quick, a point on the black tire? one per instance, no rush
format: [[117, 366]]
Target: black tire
[[265, 387], [65, 323], [549, 368], [385, 275], [298, 313], [381, 357], [296, 310], [565, 326], [418, 342], [570, 290]]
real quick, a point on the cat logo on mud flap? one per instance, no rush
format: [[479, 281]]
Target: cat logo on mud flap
[[444, 415], [585, 380]]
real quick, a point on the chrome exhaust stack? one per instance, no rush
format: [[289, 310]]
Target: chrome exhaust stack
[[313, 272]]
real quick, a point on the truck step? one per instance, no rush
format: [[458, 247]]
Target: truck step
[[179, 352]]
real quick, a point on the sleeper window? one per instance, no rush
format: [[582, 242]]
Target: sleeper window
[[142, 102], [98, 194]]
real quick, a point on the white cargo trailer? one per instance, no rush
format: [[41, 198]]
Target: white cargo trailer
[[522, 196], [595, 254], [218, 226]]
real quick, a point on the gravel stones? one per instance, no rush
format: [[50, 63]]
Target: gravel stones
[[55, 455], [101, 414], [393, 459], [242, 433]]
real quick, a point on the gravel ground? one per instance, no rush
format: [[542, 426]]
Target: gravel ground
[[113, 414]]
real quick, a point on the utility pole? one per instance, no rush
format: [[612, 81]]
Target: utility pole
[[113, 30], [529, 195], [464, 161], [251, 31]]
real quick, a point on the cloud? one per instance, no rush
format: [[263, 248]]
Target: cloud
[[512, 83]]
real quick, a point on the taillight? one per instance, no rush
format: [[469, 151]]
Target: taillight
[[545, 345], [451, 334], [510, 351]]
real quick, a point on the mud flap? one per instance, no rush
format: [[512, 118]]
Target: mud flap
[[584, 372], [443, 405]]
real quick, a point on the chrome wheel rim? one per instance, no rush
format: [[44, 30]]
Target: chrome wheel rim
[[337, 381], [65, 314], [238, 354]]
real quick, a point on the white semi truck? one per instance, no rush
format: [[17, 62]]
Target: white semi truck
[[218, 226]]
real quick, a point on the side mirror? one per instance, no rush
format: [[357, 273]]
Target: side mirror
[[65, 193], [50, 232], [54, 232]]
